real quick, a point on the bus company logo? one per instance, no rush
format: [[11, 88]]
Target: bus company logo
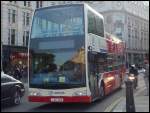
[[52, 92], [62, 92]]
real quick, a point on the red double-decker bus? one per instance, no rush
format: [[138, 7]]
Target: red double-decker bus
[[72, 60]]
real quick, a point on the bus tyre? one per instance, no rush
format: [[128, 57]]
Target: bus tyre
[[102, 92]]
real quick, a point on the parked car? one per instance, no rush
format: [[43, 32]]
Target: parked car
[[12, 90]]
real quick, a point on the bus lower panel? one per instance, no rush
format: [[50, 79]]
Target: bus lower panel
[[66, 99]]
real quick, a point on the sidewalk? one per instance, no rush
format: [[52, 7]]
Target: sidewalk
[[141, 103], [140, 99]]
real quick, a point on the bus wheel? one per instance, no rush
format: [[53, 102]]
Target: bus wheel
[[102, 92]]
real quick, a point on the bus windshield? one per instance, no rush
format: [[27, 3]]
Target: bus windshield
[[60, 21], [58, 48]]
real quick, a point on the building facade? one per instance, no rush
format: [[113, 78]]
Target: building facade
[[129, 20]]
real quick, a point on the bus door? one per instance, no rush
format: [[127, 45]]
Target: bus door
[[93, 75]]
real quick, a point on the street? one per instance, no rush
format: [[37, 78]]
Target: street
[[97, 106], [77, 52]]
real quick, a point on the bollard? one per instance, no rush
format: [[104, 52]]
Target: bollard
[[130, 106]]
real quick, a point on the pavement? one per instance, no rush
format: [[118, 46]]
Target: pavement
[[141, 100]]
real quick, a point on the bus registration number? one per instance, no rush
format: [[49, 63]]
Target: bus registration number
[[57, 99]]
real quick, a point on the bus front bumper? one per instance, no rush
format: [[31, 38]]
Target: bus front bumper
[[61, 99]]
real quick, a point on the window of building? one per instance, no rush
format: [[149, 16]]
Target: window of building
[[24, 18], [9, 36], [23, 38], [109, 19], [24, 3], [38, 4], [53, 3], [27, 19], [9, 16], [13, 2], [136, 33], [13, 36], [27, 37], [129, 31], [13, 16], [128, 43], [29, 3], [132, 33]]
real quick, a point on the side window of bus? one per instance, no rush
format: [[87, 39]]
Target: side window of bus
[[102, 63], [99, 61], [95, 24], [119, 60], [110, 62], [91, 23], [116, 64], [99, 26]]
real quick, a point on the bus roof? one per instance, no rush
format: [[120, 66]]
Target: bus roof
[[76, 4], [60, 5]]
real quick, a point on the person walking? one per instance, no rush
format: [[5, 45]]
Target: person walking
[[17, 73], [146, 76]]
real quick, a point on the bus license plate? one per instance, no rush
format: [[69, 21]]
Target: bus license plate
[[57, 99]]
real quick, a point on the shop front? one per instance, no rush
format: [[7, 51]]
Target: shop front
[[15, 57]]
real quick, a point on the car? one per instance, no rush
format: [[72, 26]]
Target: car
[[12, 90]]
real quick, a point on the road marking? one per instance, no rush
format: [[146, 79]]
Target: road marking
[[110, 108]]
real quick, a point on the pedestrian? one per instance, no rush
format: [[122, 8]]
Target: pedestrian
[[146, 76], [17, 73]]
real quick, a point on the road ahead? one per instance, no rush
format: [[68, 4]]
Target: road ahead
[[98, 106]]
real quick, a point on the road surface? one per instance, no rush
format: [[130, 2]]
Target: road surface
[[98, 106]]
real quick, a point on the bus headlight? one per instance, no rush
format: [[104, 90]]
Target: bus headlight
[[131, 77], [80, 93], [34, 93]]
